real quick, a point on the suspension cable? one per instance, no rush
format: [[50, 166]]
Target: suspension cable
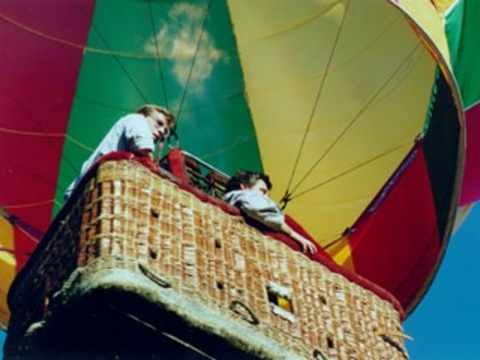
[[289, 196], [207, 13], [348, 171], [157, 49], [25, 111], [117, 60], [317, 100]]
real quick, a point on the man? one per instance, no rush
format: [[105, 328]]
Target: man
[[249, 191], [137, 133]]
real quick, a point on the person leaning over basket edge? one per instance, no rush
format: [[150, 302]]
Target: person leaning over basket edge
[[249, 191], [136, 132]]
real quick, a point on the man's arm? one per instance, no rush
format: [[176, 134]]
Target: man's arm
[[265, 211], [307, 245]]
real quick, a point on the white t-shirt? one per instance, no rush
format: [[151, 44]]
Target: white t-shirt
[[130, 133]]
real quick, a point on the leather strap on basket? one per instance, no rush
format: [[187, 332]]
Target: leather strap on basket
[[234, 307]]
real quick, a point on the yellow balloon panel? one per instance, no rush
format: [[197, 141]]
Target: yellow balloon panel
[[444, 5], [338, 91], [430, 20], [7, 268]]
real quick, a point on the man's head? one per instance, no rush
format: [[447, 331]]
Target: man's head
[[159, 119], [249, 180]]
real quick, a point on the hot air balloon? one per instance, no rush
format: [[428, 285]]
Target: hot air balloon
[[349, 106], [460, 27]]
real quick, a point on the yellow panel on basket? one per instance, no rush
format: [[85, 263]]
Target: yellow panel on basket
[[372, 77], [285, 304]]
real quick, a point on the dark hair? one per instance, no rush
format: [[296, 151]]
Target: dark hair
[[248, 178]]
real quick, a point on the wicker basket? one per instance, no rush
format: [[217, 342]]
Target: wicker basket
[[129, 219]]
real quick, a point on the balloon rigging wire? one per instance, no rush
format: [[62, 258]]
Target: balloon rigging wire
[[78, 143], [70, 43], [329, 243], [115, 56], [67, 42], [122, 67], [37, 125], [349, 125], [24, 170], [39, 33], [157, 49], [24, 206], [287, 196], [184, 94], [120, 64], [30, 133], [16, 222], [350, 170], [115, 107], [15, 252]]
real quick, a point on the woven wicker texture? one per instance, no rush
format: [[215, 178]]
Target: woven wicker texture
[[127, 212]]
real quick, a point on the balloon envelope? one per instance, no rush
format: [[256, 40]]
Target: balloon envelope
[[349, 106], [462, 32]]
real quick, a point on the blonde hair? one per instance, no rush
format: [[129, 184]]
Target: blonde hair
[[149, 109]]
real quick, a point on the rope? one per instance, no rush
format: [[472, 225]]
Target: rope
[[207, 13], [35, 122], [15, 252], [70, 43], [152, 275], [335, 240], [395, 344], [319, 355], [39, 33], [28, 205], [29, 133], [253, 318], [157, 50], [122, 67], [346, 172], [393, 333], [344, 131], [317, 98], [30, 236], [387, 337], [78, 143]]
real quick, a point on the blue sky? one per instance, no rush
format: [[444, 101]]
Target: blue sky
[[446, 324]]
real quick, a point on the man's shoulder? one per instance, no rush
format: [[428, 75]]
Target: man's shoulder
[[233, 195], [251, 197], [132, 118], [132, 123]]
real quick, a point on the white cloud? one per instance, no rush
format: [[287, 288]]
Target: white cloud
[[178, 40]]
